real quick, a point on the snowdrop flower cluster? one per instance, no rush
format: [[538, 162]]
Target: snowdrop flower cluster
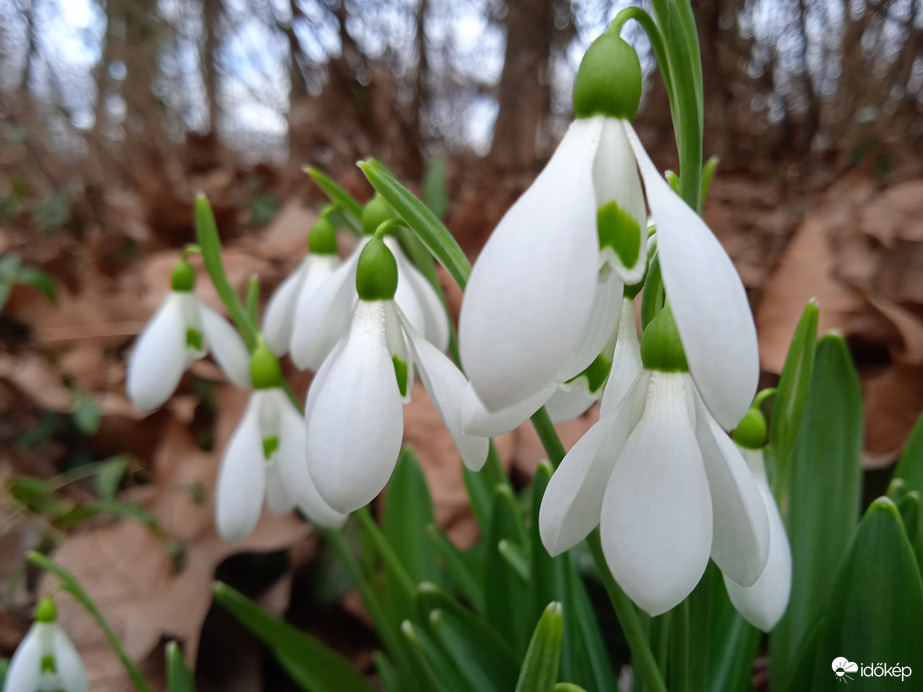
[[265, 457], [354, 407], [322, 314], [46, 660], [657, 473], [182, 331]]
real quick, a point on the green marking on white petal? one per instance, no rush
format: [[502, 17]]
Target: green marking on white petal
[[48, 665], [194, 339], [400, 371], [596, 373], [270, 445], [618, 230]]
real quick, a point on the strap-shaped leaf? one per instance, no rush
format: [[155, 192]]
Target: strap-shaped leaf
[[539, 671], [180, 677]]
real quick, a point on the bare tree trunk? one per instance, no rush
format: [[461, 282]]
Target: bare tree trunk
[[524, 92], [211, 14]]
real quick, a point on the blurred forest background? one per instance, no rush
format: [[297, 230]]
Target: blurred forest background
[[114, 113]]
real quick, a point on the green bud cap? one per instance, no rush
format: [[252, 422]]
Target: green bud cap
[[264, 368], [183, 278], [661, 347], [751, 431], [323, 237], [608, 80], [376, 275], [46, 612], [375, 213]]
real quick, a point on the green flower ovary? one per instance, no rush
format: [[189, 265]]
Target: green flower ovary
[[608, 80], [376, 273]]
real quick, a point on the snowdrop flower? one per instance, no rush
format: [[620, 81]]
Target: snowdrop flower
[[763, 604], [265, 457], [323, 317], [529, 303], [354, 408], [182, 331], [46, 660], [315, 270], [666, 485]]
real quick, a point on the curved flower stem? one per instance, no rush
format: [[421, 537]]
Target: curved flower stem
[[642, 657], [541, 421]]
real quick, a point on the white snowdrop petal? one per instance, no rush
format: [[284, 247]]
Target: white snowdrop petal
[[227, 348], [24, 672], [603, 320], [740, 546], [158, 359], [278, 320], [626, 361], [572, 503], [355, 419], [69, 667], [293, 469], [615, 178], [571, 400], [708, 300], [278, 498], [242, 477], [433, 314], [531, 291], [446, 385], [477, 420], [656, 521], [322, 316], [764, 603]]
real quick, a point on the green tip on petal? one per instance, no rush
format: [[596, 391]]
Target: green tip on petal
[[376, 275], [264, 368], [375, 213], [323, 237], [608, 80], [183, 278], [661, 347], [620, 232], [46, 612], [750, 433]]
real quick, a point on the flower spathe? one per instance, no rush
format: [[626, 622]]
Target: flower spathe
[[46, 660], [182, 330], [668, 490]]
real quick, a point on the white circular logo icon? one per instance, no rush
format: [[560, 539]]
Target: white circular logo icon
[[842, 666]]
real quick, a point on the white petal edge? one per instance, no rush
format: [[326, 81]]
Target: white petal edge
[[656, 520], [615, 178], [572, 504], [477, 420], [227, 347], [25, 671], [242, 477], [278, 320], [531, 290], [293, 468], [446, 385], [571, 400], [603, 321], [355, 421], [428, 315], [740, 546], [158, 359], [70, 668], [322, 316], [626, 361], [708, 299]]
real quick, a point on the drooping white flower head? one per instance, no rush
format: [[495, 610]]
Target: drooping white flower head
[[313, 272], [182, 330], [46, 660], [666, 485], [529, 304], [354, 408], [322, 317], [265, 459]]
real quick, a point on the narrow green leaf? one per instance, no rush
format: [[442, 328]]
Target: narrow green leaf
[[421, 220], [314, 666], [340, 197], [110, 476], [791, 396], [87, 415], [823, 493], [910, 466], [518, 558], [653, 295], [387, 674], [874, 613], [708, 173], [9, 271], [480, 485], [408, 511], [733, 642], [540, 668], [400, 586], [435, 190], [253, 299], [430, 657], [36, 278], [180, 677], [547, 575], [460, 567], [568, 687]]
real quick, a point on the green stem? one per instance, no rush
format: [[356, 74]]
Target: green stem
[[642, 657], [384, 549], [548, 436], [72, 586]]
